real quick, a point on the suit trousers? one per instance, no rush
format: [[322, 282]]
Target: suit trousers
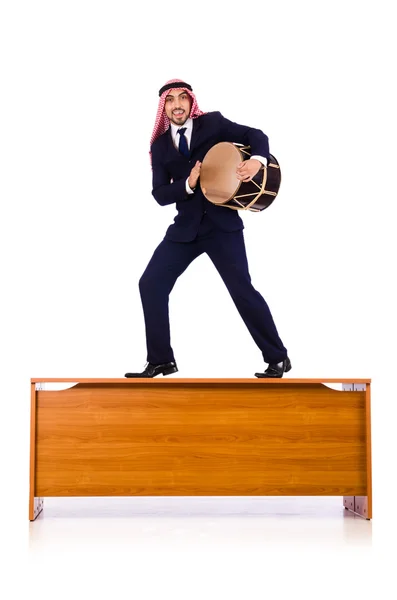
[[227, 252]]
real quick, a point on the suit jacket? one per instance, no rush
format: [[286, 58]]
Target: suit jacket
[[171, 169]]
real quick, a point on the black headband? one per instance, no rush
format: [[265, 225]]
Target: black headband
[[171, 86]]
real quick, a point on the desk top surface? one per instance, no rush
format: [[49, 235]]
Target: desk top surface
[[183, 381]]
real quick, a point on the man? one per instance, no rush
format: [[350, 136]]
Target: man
[[182, 136]]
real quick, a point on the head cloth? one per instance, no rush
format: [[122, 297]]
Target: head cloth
[[162, 122]]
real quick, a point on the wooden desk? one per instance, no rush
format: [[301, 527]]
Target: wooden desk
[[201, 437]]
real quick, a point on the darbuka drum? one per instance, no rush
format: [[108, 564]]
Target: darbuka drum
[[219, 183]]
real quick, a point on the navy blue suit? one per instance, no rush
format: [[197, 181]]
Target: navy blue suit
[[199, 227]]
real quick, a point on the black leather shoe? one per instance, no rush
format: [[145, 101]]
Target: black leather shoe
[[154, 370], [276, 369]]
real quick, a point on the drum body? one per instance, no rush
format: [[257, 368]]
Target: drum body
[[219, 183]]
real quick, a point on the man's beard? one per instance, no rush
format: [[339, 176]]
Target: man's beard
[[181, 121]]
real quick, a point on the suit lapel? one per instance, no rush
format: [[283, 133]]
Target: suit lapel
[[172, 152], [196, 134]]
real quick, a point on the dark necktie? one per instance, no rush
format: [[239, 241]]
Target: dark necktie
[[183, 147]]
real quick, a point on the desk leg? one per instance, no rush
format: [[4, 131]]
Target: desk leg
[[35, 508], [358, 505], [35, 503], [362, 505]]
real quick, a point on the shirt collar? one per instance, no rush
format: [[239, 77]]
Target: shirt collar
[[188, 124]]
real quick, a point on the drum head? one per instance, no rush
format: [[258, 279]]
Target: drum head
[[218, 177]]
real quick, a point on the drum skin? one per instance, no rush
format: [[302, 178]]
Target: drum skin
[[219, 183]]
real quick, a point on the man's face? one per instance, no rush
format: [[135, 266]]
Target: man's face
[[177, 106]]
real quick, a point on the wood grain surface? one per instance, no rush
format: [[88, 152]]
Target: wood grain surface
[[200, 439]]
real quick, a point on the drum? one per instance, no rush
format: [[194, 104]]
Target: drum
[[219, 183]]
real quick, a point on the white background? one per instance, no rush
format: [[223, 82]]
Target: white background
[[79, 96]]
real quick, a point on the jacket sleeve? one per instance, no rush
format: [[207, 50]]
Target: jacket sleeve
[[241, 134], [165, 192]]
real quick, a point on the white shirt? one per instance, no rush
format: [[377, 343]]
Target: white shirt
[[188, 134]]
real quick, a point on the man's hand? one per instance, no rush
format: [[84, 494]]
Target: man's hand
[[194, 175], [248, 169]]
